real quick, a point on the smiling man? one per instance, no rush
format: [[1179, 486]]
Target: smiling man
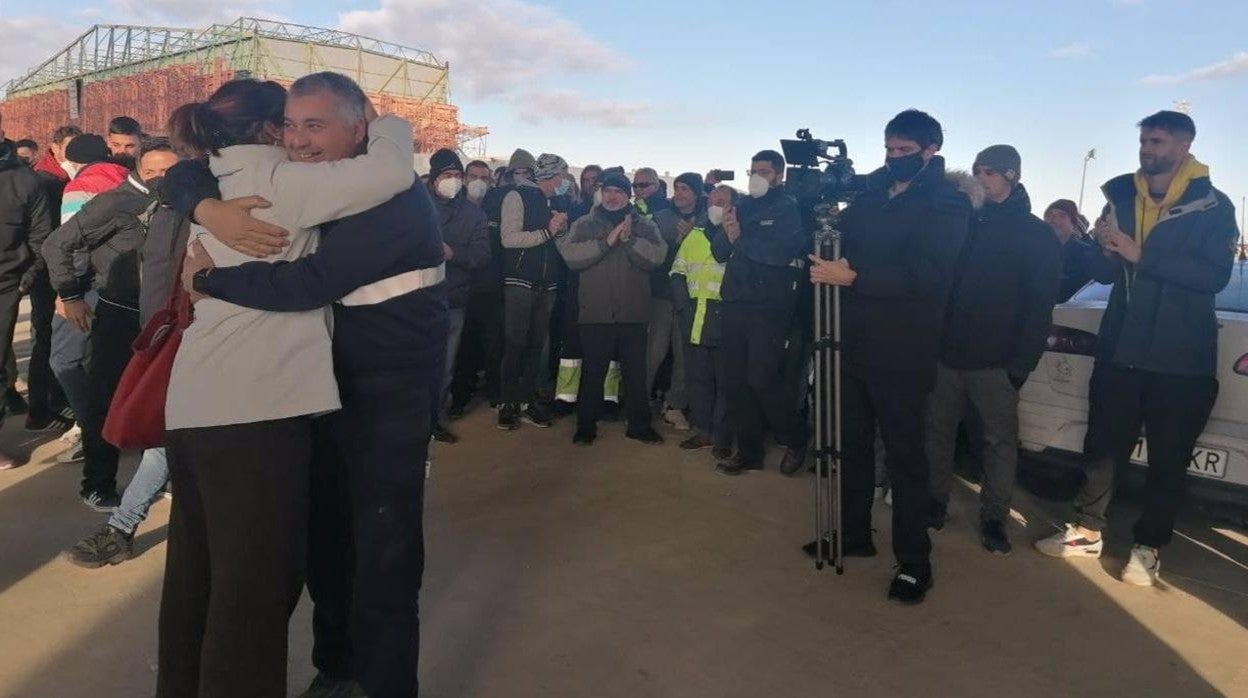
[[1167, 240]]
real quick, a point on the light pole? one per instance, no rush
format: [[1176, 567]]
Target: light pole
[[1084, 179]]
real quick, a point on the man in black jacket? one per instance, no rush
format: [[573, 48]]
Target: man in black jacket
[[762, 244], [24, 215], [996, 325], [902, 237], [466, 243], [1167, 244], [110, 229]]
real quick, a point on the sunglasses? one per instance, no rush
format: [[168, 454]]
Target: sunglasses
[[642, 185]]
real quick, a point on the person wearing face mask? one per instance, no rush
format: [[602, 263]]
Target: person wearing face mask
[[109, 229], [763, 246], [528, 225], [687, 213], [696, 280], [24, 215], [999, 314], [465, 241], [481, 344], [614, 250], [477, 181], [901, 241]]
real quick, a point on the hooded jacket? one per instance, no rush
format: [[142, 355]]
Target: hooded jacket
[[465, 231], [91, 181], [904, 249], [1001, 305], [110, 228], [1161, 315], [614, 281], [763, 269], [24, 216]]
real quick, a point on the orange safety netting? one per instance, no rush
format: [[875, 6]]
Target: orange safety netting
[[152, 95]]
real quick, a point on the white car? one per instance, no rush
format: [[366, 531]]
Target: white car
[[1053, 405]]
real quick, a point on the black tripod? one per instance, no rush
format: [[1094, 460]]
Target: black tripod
[[827, 546]]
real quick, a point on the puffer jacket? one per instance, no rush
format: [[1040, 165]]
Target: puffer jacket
[[614, 281], [466, 232], [24, 216]]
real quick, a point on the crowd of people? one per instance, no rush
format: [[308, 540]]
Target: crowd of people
[[347, 313]]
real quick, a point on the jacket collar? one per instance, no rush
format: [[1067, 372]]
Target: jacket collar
[[934, 172], [1018, 201], [48, 164], [137, 183], [1121, 190]]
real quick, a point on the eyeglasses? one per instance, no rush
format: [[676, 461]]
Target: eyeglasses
[[642, 185]]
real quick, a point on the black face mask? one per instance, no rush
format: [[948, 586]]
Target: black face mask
[[904, 168], [617, 217], [153, 185]]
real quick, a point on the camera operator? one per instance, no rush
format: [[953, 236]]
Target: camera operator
[[1000, 312], [761, 243], [902, 237]]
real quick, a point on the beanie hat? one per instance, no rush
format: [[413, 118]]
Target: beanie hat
[[1002, 158], [616, 180], [693, 180], [1069, 208], [550, 166], [522, 160], [86, 149], [443, 160]]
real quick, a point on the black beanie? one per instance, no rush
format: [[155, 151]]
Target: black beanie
[[86, 149], [693, 180], [443, 160], [617, 180]]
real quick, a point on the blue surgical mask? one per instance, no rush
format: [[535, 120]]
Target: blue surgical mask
[[564, 187]]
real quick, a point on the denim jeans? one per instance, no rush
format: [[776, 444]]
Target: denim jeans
[[452, 350], [68, 361], [142, 491]]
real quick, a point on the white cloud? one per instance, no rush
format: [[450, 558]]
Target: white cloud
[[192, 14], [495, 48], [1081, 49], [29, 41], [1231, 67], [536, 106]]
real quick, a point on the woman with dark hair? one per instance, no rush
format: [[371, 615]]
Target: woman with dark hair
[[245, 387]]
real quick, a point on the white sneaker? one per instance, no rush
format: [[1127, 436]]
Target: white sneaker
[[1069, 543], [1143, 567], [676, 418], [73, 436], [72, 454]]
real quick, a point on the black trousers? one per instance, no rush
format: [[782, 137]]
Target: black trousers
[[1173, 411], [898, 413], [366, 554], [10, 301], [481, 348], [112, 334], [234, 569], [46, 397], [754, 350], [526, 326], [706, 374], [599, 345]]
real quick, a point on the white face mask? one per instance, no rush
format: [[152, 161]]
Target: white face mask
[[758, 186], [715, 214], [70, 168], [448, 188], [477, 189], [597, 197]]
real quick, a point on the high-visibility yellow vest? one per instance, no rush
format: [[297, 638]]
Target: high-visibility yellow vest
[[703, 276]]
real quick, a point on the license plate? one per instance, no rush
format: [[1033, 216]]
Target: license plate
[[1205, 462]]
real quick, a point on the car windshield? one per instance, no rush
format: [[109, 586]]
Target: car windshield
[[1233, 298]]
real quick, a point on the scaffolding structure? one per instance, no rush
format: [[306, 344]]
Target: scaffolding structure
[[147, 72]]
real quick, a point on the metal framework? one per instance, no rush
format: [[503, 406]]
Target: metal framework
[[107, 47]]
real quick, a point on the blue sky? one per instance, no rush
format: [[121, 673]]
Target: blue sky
[[695, 85]]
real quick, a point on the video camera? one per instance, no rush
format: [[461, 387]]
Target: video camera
[[819, 189]]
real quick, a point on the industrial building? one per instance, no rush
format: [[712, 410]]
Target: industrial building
[[147, 72]]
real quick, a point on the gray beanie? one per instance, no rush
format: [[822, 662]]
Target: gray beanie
[[1004, 159], [549, 166], [522, 159]]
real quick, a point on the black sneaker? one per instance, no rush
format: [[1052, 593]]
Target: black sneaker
[[794, 459], [937, 516], [103, 502], [851, 547], [721, 453], [326, 687], [534, 414], [910, 584], [696, 442], [737, 465], [14, 403], [443, 435], [993, 535], [584, 437], [56, 423], [509, 417], [107, 546], [646, 435]]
